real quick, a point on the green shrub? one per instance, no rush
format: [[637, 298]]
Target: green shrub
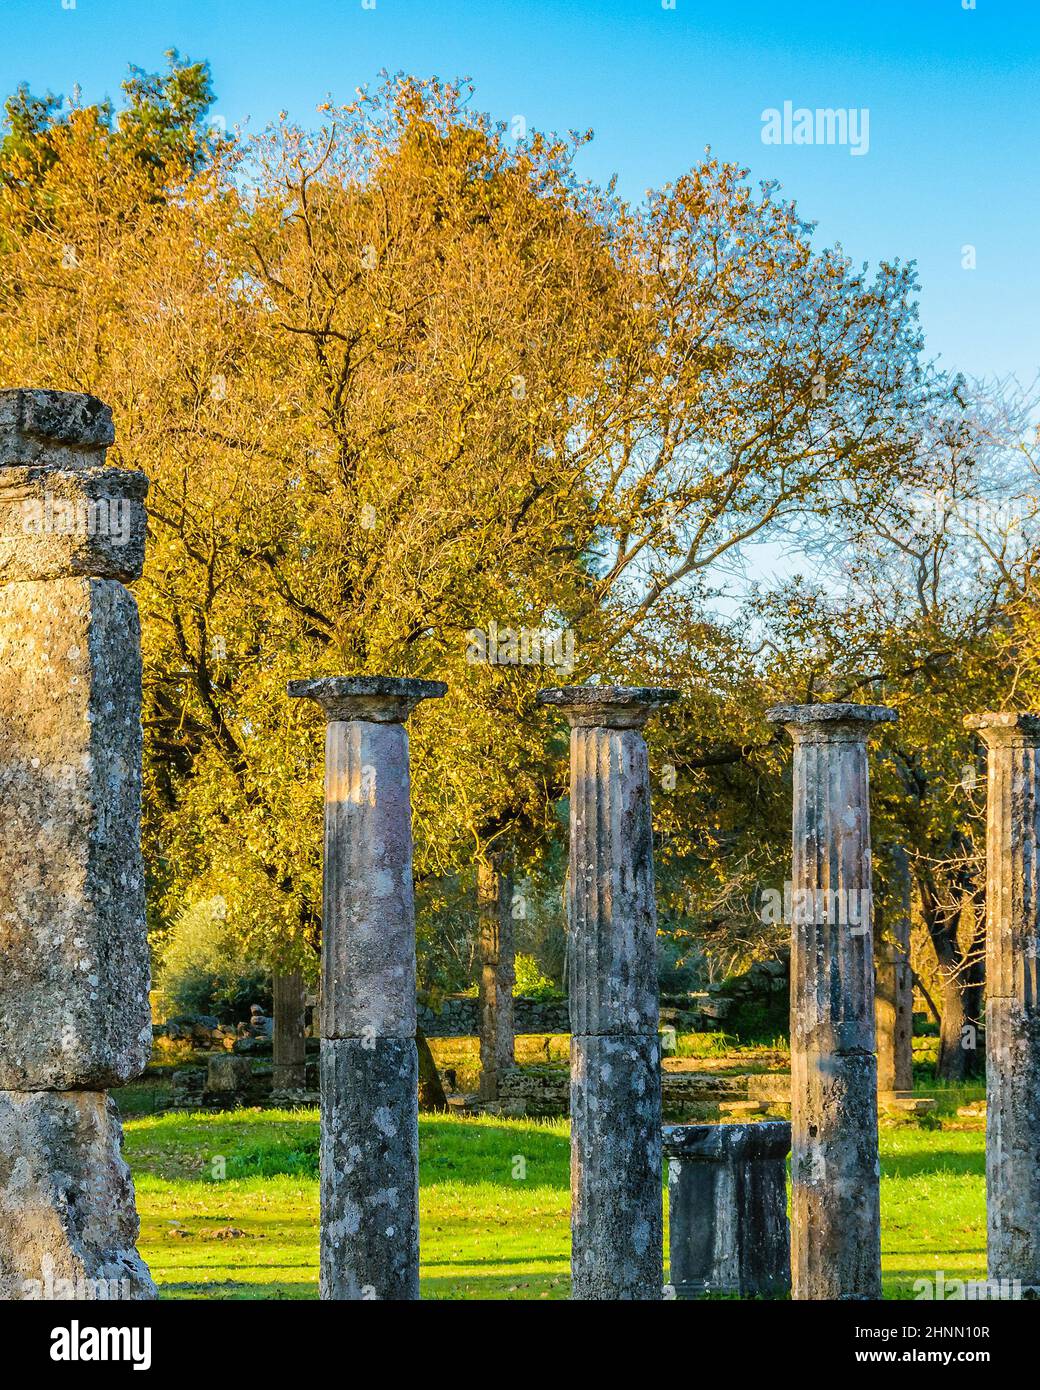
[[530, 983], [204, 970]]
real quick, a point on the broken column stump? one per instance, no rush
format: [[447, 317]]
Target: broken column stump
[[1012, 997], [369, 1065], [616, 1203], [728, 1231], [74, 1014], [835, 1169]]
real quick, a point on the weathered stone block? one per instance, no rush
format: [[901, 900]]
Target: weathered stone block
[[616, 1213], [68, 1225], [227, 1074], [727, 1213], [85, 521], [369, 1169], [65, 429], [73, 950]]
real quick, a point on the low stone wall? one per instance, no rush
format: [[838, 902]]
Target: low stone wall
[[457, 1017], [545, 1091]]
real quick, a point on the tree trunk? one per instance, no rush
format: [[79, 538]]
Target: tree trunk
[[431, 1093], [955, 1041], [495, 989], [974, 990], [290, 1045], [894, 990], [953, 1055]]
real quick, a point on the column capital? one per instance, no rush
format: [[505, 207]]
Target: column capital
[[607, 706], [63, 429], [1005, 727], [830, 723], [373, 699]]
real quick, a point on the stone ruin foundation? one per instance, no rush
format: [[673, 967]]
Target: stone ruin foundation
[[74, 1014]]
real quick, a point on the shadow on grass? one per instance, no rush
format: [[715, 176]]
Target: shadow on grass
[[262, 1144]]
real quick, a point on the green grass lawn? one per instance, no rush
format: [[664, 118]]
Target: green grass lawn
[[229, 1204]]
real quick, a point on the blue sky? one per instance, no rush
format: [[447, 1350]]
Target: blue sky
[[953, 95]]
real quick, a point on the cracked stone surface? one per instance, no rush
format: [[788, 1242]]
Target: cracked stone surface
[[617, 1222], [59, 522], [369, 1169], [63, 428], [74, 967], [68, 1223]]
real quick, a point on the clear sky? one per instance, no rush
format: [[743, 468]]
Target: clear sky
[[952, 90]]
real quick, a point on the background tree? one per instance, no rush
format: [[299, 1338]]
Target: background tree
[[398, 379]]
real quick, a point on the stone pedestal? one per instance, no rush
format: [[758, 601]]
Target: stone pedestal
[[369, 1067], [835, 1171], [495, 993], [727, 1209], [74, 1015], [894, 988], [616, 1204], [1012, 997]]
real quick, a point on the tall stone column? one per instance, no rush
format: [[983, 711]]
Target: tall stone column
[[835, 1172], [894, 989], [369, 1067], [495, 991], [1012, 996], [290, 1032], [616, 1202], [74, 1015]]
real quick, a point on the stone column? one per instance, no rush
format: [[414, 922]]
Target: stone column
[[835, 1209], [495, 992], [290, 1033], [1012, 996], [74, 1015], [727, 1209], [369, 1067], [894, 988], [616, 1205]]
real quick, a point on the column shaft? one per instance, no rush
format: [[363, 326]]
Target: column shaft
[[74, 975], [835, 1205], [1013, 997], [369, 1065], [616, 1199]]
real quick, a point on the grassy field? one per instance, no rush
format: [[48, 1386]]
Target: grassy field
[[229, 1203]]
